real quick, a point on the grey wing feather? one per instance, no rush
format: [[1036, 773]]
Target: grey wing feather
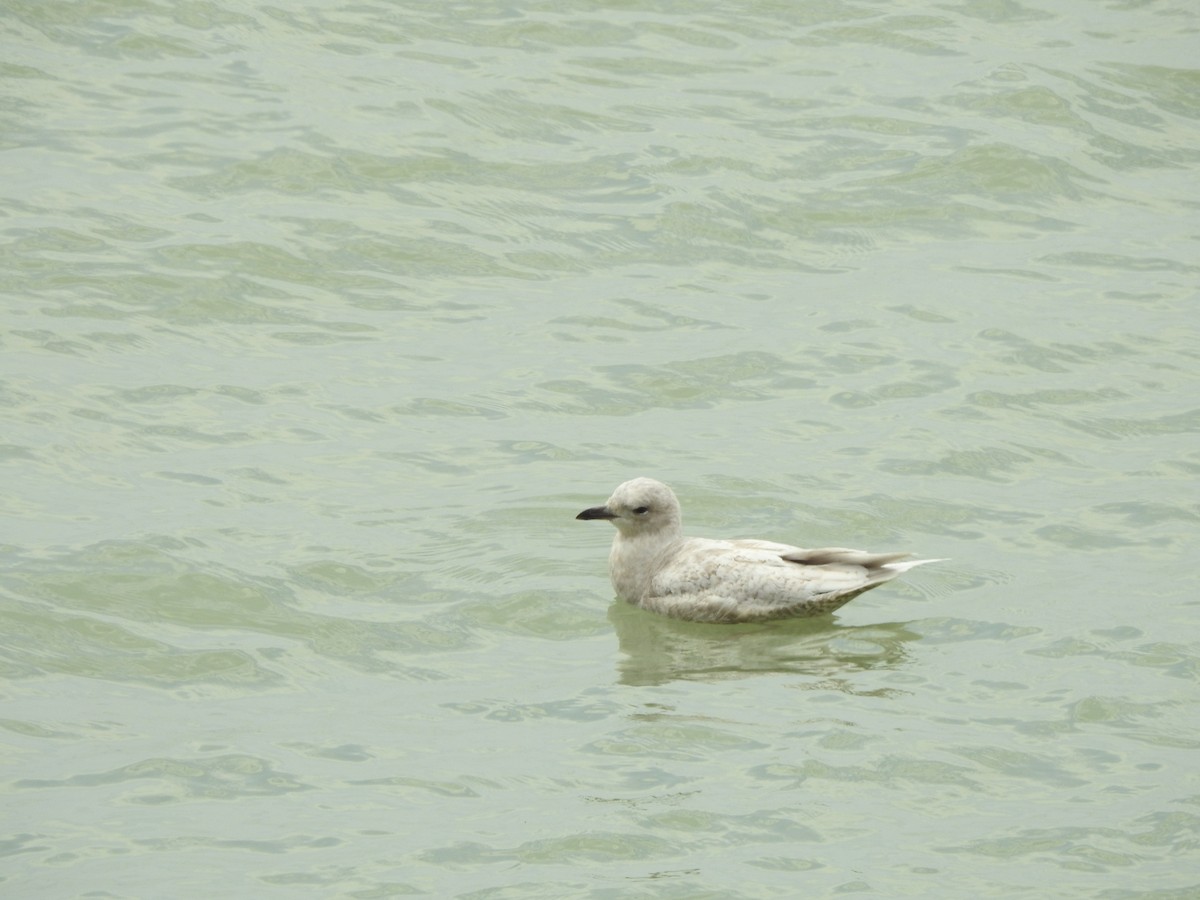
[[844, 556]]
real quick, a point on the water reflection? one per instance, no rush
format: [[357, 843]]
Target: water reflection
[[657, 649]]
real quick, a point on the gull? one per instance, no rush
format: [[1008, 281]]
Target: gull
[[652, 565]]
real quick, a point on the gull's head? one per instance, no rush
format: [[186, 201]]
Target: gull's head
[[640, 506]]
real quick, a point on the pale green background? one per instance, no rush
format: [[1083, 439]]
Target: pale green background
[[323, 319]]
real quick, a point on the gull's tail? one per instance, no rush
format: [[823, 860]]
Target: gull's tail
[[880, 567], [899, 567]]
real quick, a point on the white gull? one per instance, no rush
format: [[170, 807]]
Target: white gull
[[652, 565]]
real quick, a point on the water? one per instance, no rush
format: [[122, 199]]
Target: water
[[323, 321]]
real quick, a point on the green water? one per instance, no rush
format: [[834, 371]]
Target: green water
[[321, 322]]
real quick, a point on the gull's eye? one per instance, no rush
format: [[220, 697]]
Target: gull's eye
[[641, 510]]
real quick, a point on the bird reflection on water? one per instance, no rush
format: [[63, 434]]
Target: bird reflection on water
[[658, 650]]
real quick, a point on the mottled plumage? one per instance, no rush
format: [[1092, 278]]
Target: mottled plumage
[[652, 565]]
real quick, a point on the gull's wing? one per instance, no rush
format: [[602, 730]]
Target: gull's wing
[[729, 581]]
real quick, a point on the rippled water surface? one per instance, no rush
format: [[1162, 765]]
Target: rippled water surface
[[322, 321]]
